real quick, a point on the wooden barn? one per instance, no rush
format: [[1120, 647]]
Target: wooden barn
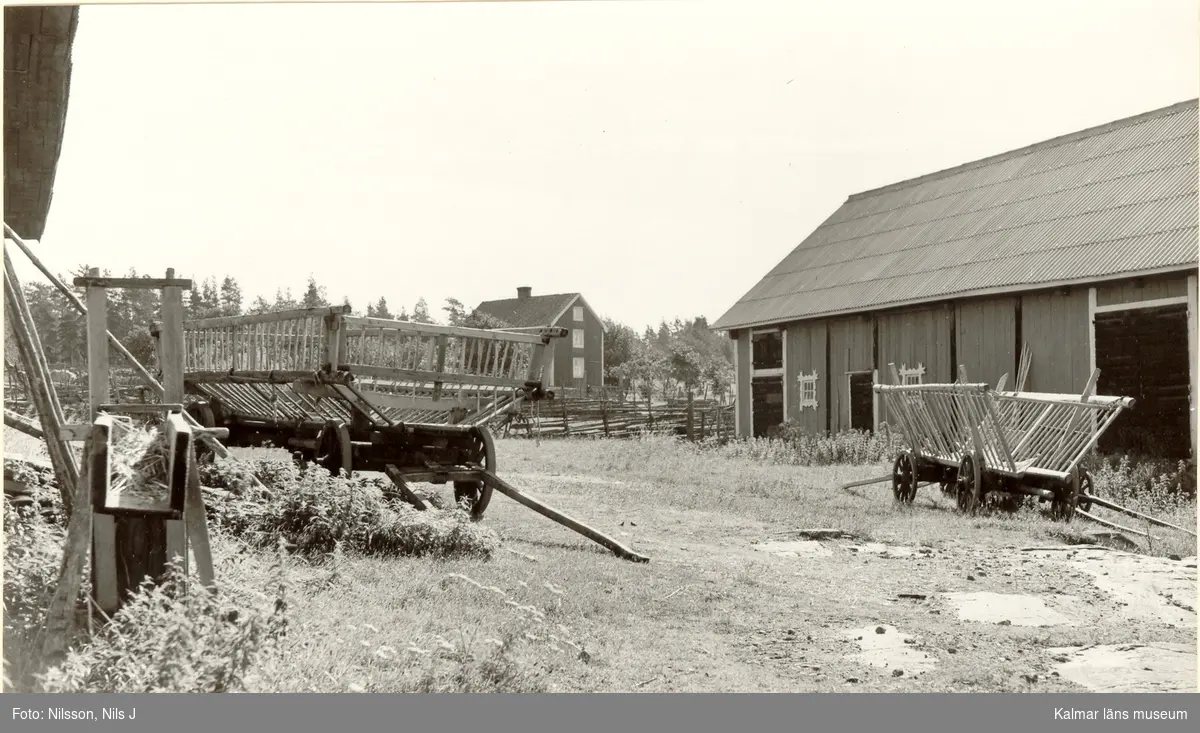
[[1083, 247], [578, 361], [37, 79]]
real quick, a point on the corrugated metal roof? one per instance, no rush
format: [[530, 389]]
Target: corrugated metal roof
[[536, 310], [1101, 202]]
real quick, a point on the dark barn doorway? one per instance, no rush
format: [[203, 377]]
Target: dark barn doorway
[[766, 395], [1143, 353], [862, 401]]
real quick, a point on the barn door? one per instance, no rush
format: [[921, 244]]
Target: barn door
[[862, 401], [1142, 353], [766, 397]]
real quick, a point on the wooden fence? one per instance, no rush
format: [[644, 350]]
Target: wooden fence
[[71, 385], [567, 417]]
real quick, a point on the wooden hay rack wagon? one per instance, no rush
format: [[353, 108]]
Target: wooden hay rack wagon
[[350, 393], [973, 440]]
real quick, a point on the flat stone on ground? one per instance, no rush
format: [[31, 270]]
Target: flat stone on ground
[[1155, 667], [1018, 610], [889, 650]]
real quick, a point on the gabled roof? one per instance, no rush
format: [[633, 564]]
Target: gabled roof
[[1103, 202], [535, 310]]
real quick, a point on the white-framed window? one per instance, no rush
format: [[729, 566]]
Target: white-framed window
[[912, 375], [808, 390], [577, 367], [577, 338], [578, 315]]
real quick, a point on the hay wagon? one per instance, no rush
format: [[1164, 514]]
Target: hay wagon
[[972, 440], [349, 393]]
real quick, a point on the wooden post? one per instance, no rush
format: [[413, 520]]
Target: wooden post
[[105, 584], [566, 422], [701, 427], [691, 435], [173, 393], [604, 416]]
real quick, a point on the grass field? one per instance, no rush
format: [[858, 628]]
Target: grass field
[[733, 599]]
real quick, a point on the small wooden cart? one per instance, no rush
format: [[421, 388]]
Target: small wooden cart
[[973, 439]]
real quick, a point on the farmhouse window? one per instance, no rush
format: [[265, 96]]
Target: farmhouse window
[[912, 375], [577, 367], [577, 338], [578, 315], [767, 350], [808, 390]]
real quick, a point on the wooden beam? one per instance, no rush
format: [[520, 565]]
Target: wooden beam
[[273, 317], [132, 283], [356, 325], [1136, 304], [412, 375]]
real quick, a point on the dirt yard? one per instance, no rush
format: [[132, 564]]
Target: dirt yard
[[739, 597]]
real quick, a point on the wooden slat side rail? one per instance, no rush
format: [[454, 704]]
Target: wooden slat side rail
[[260, 318], [538, 335], [298, 343]]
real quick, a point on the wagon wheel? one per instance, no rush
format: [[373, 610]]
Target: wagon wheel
[[1066, 498], [970, 484], [334, 448], [477, 494], [1085, 487], [203, 413], [904, 478]]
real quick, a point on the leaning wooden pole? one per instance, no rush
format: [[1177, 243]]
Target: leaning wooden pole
[[549, 512], [41, 389]]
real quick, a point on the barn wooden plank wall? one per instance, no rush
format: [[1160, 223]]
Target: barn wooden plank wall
[[983, 334]]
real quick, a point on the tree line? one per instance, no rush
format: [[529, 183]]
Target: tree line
[[678, 357]]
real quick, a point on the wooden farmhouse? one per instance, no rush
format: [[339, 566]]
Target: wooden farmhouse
[[578, 360], [1082, 247]]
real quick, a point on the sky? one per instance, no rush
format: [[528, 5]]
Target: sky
[[658, 157]]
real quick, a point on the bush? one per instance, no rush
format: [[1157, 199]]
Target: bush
[[314, 512], [32, 555], [1153, 487], [176, 637]]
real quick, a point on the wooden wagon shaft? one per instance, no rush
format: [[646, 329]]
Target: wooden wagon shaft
[[546, 511], [866, 482], [1114, 525], [1118, 508]]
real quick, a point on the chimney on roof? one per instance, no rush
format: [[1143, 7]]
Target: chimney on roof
[[524, 292]]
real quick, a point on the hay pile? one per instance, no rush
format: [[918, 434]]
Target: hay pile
[[138, 464]]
